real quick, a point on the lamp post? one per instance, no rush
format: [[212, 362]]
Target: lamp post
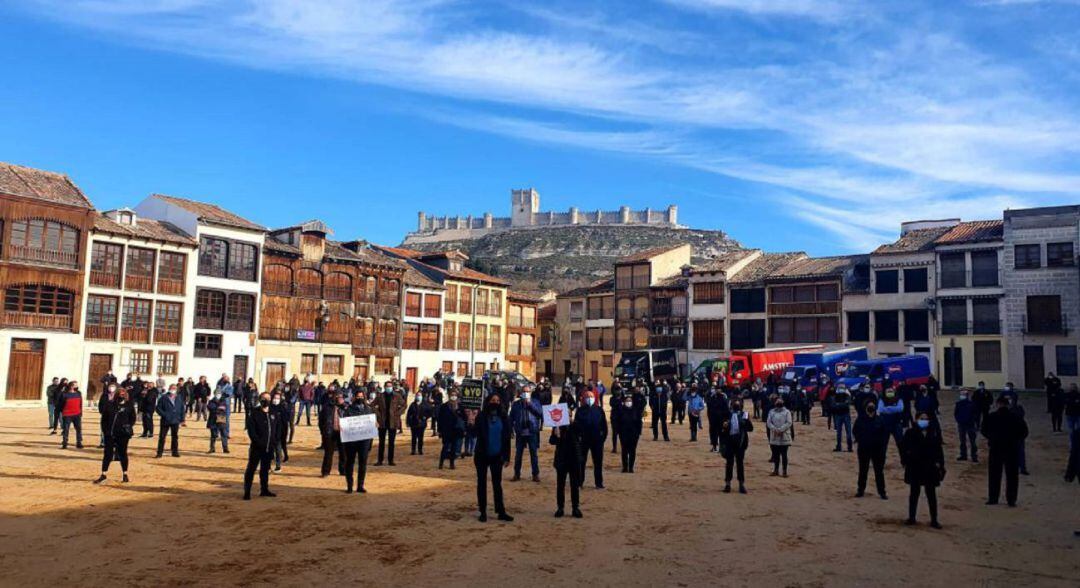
[[553, 337]]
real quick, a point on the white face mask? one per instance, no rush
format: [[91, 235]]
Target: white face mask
[[628, 404], [276, 401], [589, 401], [525, 396]]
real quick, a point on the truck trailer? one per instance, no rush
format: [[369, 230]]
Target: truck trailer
[[743, 366]]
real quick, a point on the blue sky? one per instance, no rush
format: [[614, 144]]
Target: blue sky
[[792, 124]]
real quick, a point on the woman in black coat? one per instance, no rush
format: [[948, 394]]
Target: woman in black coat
[[924, 465], [451, 429], [628, 425], [117, 426], [492, 454], [569, 454]]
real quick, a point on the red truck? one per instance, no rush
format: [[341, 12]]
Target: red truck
[[743, 366]]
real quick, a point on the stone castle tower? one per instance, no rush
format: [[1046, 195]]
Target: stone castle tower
[[524, 204]]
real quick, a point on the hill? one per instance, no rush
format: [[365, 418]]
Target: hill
[[562, 258]]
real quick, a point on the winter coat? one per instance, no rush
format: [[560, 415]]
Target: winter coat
[[872, 434], [924, 459], [779, 426], [569, 447]]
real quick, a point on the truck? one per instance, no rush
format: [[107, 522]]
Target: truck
[[743, 366], [807, 367], [649, 364], [911, 370]]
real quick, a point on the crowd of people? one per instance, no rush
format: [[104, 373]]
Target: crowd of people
[[509, 421]]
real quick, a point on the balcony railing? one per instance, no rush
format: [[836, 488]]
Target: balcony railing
[[207, 322], [664, 341], [309, 290], [105, 279], [969, 279], [794, 308], [1058, 326], [278, 288], [135, 334], [238, 324], [338, 293], [139, 283], [964, 327], [167, 336], [30, 320], [170, 286], [101, 332], [35, 255]]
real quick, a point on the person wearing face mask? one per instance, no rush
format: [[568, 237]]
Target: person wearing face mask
[[658, 406], [1055, 397], [841, 413], [356, 452], [106, 399], [615, 402], [629, 427], [1005, 431], [924, 466], [872, 432], [436, 399], [695, 405], [569, 466], [734, 442], [964, 414], [217, 414], [451, 429], [280, 409], [118, 422], [716, 405], [171, 412], [678, 403], [983, 401], [71, 414], [491, 456], [147, 405], [388, 408], [526, 414], [264, 431], [594, 432], [416, 417], [891, 410], [780, 427], [330, 425]]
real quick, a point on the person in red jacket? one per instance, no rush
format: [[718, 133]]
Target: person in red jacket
[[71, 412]]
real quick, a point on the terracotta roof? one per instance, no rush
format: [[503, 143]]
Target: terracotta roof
[[973, 232], [647, 254], [211, 213], [524, 297], [763, 266], [274, 246], [436, 273], [816, 267], [547, 311], [913, 241], [144, 228], [607, 284], [419, 280], [724, 261], [359, 251], [39, 184], [679, 281], [403, 252]]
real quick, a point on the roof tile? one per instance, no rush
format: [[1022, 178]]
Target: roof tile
[[38, 184]]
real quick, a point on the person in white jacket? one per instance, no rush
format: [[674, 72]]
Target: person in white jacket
[[781, 433]]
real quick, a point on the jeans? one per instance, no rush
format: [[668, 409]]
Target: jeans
[[1072, 423], [968, 434], [305, 410], [532, 442], [470, 443], [54, 416], [115, 447], [75, 421], [489, 466], [219, 431], [695, 424], [166, 429], [389, 448], [148, 424], [842, 421]]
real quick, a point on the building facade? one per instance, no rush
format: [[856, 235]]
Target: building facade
[[522, 333], [600, 331], [804, 300], [635, 276], [708, 304], [422, 321], [747, 324]]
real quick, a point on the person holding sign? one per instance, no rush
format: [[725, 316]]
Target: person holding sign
[[492, 455], [356, 452], [568, 464]]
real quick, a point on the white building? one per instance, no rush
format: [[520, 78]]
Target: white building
[[708, 329], [139, 299], [226, 283], [422, 328]]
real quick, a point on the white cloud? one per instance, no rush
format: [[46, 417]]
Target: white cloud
[[826, 9]]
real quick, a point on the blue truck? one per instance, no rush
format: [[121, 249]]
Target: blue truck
[[912, 370], [807, 367]]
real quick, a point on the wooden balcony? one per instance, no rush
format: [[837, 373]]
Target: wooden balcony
[[238, 324], [139, 283], [804, 308], [387, 298], [30, 320], [35, 255], [207, 322], [170, 287], [277, 288], [101, 332], [167, 336], [105, 279], [338, 294], [135, 334]]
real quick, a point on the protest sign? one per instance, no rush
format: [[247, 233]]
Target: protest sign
[[471, 393], [358, 428], [556, 415]]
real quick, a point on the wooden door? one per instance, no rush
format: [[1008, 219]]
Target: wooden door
[[26, 369], [240, 367], [275, 372], [410, 379], [954, 366], [1034, 368], [100, 364], [594, 371], [360, 372]]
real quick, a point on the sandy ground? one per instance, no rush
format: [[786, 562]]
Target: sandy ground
[[181, 521]]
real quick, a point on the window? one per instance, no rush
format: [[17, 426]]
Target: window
[[482, 301], [642, 275], [496, 303], [709, 293], [641, 307], [338, 286], [577, 310], [988, 356], [105, 260], [432, 305], [309, 283], [139, 275], [1027, 256], [678, 306], [747, 334], [462, 369], [528, 313], [607, 360], [1066, 360], [527, 343], [985, 316], [171, 273], [984, 269], [915, 280], [463, 340], [101, 315], [954, 319], [886, 325], [412, 303], [886, 282], [140, 361], [207, 345], [782, 330], [365, 331], [213, 257], [1044, 315], [429, 337], [240, 313], [495, 339], [1059, 254], [43, 241], [307, 363], [480, 338], [748, 300], [166, 363], [622, 338], [465, 300], [802, 330], [384, 366], [782, 294], [709, 334], [367, 285], [828, 330], [577, 340], [167, 318], [410, 337], [916, 325], [451, 298], [858, 326], [135, 322], [448, 335], [954, 270], [447, 367], [209, 309], [333, 364], [242, 261], [641, 338], [478, 370], [38, 299], [624, 277]]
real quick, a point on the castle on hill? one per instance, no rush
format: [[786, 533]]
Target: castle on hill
[[525, 214]]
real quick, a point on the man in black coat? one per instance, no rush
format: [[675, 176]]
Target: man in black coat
[[568, 464], [735, 439], [658, 405], [594, 432], [716, 408], [329, 424], [263, 429], [171, 411], [416, 418], [356, 452], [872, 439], [492, 454], [629, 427], [147, 405], [1004, 430], [614, 405]]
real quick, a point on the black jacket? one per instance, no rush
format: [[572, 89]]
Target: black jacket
[[358, 409], [628, 422], [482, 425], [1004, 429], [737, 442], [569, 448], [264, 429], [118, 418], [417, 415], [592, 425], [924, 459], [451, 426], [871, 434]]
